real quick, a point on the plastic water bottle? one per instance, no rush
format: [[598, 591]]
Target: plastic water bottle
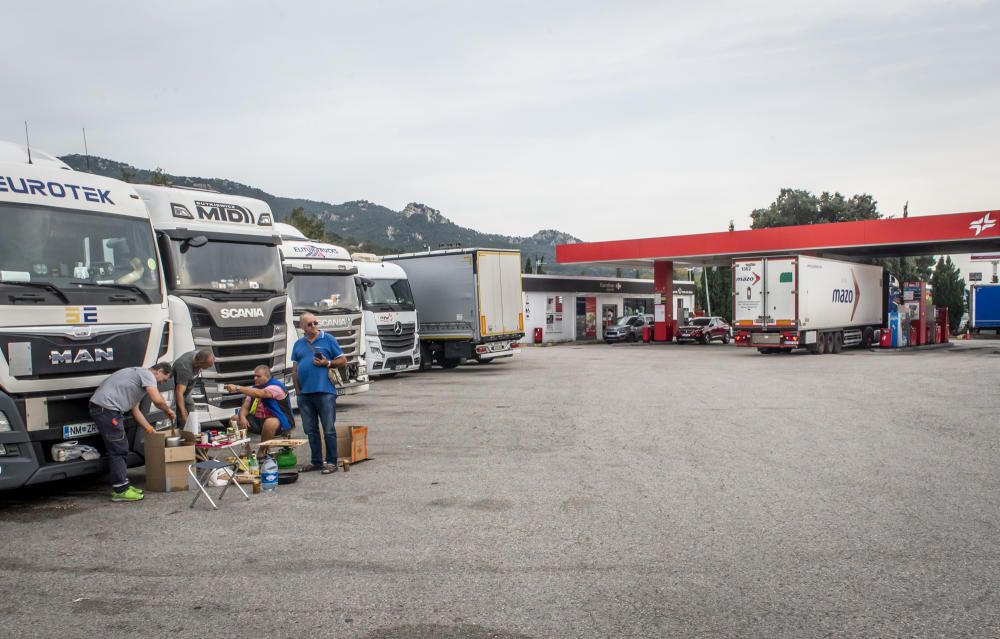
[[269, 475]]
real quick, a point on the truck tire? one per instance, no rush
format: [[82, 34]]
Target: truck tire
[[828, 343], [426, 359], [821, 343], [868, 337], [450, 362], [838, 342]]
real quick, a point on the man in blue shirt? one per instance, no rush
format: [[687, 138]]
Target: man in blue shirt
[[313, 355]]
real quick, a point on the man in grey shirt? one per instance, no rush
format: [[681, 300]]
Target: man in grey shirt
[[120, 392], [187, 368]]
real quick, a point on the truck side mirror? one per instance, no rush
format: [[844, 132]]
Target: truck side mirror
[[365, 282], [196, 241]]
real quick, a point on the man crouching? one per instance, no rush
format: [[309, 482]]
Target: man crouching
[[267, 406]]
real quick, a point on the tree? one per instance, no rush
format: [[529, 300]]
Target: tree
[[909, 269], [128, 175], [798, 206], [720, 285], [159, 177], [311, 226], [949, 289], [527, 265]]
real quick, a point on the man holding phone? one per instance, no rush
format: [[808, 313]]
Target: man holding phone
[[313, 355]]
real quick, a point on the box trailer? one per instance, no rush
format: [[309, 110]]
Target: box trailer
[[787, 302], [984, 307], [468, 303]]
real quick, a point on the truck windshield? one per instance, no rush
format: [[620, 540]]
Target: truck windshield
[[385, 295], [225, 267], [64, 256], [323, 292]]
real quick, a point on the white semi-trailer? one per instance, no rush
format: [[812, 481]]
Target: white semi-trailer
[[321, 281], [468, 303], [787, 302], [390, 316], [81, 296], [226, 286]]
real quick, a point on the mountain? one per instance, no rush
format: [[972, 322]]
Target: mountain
[[364, 224]]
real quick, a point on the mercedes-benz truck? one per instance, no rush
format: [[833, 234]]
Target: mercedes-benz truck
[[226, 287], [393, 344], [82, 296], [321, 281], [468, 302]]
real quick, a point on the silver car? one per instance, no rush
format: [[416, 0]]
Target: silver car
[[627, 329]]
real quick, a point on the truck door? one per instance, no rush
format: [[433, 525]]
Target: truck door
[[748, 293], [779, 294]]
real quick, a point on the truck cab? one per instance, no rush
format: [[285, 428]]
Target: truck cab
[[321, 281], [82, 296], [226, 288], [393, 343]]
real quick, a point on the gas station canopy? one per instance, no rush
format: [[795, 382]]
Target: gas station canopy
[[952, 233]]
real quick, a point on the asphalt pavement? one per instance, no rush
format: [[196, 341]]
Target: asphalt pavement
[[573, 491]]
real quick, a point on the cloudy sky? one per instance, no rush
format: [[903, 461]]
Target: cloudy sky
[[607, 120]]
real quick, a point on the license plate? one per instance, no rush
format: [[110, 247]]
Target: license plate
[[72, 431]]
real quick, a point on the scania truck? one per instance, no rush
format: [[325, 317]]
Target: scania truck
[[393, 344], [225, 284], [321, 281], [786, 302], [468, 302], [82, 295]]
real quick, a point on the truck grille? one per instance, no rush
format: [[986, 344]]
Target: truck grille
[[225, 343], [242, 349], [392, 342], [236, 333]]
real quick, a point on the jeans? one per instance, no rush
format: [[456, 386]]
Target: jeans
[[111, 426], [324, 407]]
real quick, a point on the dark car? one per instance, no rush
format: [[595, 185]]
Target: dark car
[[627, 329], [704, 330]]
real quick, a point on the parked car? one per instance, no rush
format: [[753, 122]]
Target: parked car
[[704, 330], [627, 329]]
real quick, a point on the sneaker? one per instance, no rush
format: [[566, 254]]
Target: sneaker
[[129, 494], [329, 468]]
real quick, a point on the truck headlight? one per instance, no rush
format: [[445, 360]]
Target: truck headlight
[[4, 423]]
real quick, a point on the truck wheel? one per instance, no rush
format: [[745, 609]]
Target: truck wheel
[[814, 348], [821, 343], [828, 343], [450, 362], [868, 337], [426, 359], [838, 342]]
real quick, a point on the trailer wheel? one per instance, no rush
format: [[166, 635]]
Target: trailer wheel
[[821, 343], [450, 362], [838, 342], [828, 343], [868, 337]]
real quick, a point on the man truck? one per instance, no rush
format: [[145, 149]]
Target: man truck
[[823, 305], [226, 287], [82, 296], [321, 281], [468, 303], [393, 344]]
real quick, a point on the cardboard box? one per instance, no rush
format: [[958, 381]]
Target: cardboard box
[[352, 443], [167, 467]]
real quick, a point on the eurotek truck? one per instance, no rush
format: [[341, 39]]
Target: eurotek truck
[[393, 344], [984, 308], [321, 281], [468, 302], [823, 305], [226, 287], [82, 296]]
